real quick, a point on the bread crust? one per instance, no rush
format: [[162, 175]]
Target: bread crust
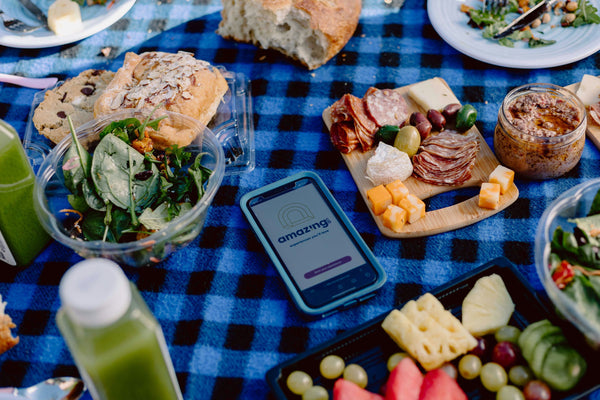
[[165, 81], [331, 24]]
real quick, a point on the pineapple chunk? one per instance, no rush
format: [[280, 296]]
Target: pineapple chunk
[[489, 195], [398, 191], [487, 307], [394, 217], [414, 207], [502, 176], [380, 198]]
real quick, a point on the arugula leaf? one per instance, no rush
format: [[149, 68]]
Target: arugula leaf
[[123, 129], [538, 42], [585, 14]]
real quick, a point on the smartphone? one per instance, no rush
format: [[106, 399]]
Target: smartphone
[[323, 261]]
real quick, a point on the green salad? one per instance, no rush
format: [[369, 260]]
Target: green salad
[[126, 189], [581, 12], [575, 262]]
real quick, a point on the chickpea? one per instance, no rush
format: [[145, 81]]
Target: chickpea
[[546, 18], [571, 6], [568, 19], [536, 22], [558, 7]]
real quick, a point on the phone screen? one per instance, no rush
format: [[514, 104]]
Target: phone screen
[[318, 252]]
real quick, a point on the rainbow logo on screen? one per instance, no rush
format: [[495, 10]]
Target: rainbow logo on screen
[[300, 220]]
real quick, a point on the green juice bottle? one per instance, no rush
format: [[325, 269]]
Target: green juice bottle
[[21, 234], [116, 342]]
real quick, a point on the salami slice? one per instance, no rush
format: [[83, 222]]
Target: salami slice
[[595, 112], [386, 106]]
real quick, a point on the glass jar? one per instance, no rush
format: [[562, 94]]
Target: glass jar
[[540, 132]]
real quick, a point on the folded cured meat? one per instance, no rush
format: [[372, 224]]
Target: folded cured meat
[[446, 158], [177, 82]]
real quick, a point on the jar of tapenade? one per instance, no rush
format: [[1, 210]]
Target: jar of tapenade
[[541, 131]]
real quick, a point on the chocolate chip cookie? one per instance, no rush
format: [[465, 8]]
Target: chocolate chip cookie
[[74, 98]]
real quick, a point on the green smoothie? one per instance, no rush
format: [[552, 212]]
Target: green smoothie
[[21, 235]]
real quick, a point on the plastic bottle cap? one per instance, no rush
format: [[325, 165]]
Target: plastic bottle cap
[[95, 292]]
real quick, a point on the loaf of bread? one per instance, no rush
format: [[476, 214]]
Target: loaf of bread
[[175, 82], [7, 341], [310, 31]]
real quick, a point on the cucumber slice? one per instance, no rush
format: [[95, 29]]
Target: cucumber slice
[[529, 337], [563, 367], [541, 349]]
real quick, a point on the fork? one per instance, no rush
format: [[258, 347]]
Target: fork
[[494, 5], [16, 25]]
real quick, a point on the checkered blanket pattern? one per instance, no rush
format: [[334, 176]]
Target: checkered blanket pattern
[[224, 311]]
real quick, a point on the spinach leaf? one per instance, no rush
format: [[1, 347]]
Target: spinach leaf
[[595, 208], [123, 129], [586, 296], [200, 174], [112, 171], [76, 163], [94, 225]]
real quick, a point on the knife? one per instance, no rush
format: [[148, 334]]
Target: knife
[[523, 20], [35, 11]]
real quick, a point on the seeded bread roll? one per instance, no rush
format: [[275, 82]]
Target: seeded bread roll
[[310, 31], [178, 82]]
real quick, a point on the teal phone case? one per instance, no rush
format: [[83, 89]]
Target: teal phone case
[[338, 304]]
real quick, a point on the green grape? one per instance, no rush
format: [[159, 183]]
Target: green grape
[[394, 359], [507, 333], [315, 393], [493, 376], [357, 374], [299, 382], [332, 366], [509, 392], [520, 375], [469, 366]]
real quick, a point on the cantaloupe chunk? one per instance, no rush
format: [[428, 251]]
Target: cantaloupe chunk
[[394, 217], [489, 195], [398, 191], [380, 198], [502, 176], [415, 207]]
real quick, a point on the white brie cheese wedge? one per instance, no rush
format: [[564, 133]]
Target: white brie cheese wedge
[[64, 17]]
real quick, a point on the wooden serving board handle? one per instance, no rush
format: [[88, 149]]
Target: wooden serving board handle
[[436, 221]]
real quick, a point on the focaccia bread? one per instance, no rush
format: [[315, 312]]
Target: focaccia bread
[[74, 98], [310, 31], [173, 82]]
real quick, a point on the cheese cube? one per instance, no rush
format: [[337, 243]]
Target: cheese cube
[[414, 207], [398, 191], [489, 195], [502, 176], [394, 217], [380, 198], [432, 94], [64, 17]]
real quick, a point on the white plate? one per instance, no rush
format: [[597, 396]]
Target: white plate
[[95, 18], [572, 44]]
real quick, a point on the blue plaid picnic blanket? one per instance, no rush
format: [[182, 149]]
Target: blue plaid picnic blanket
[[225, 313]]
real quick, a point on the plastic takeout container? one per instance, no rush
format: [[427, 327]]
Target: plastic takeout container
[[233, 125], [573, 203], [50, 196]]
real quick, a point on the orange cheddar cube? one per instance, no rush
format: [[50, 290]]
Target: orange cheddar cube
[[489, 195], [380, 198], [415, 207], [502, 176], [398, 191], [394, 217]]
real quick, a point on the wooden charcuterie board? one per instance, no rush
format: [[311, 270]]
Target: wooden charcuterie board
[[593, 130], [435, 221]]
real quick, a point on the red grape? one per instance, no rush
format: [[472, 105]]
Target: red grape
[[536, 390], [481, 349], [505, 354]]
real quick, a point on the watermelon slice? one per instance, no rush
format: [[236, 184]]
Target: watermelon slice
[[438, 385], [347, 390], [404, 382]]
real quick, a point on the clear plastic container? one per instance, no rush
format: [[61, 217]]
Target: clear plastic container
[[574, 203], [540, 152], [50, 197], [116, 342]]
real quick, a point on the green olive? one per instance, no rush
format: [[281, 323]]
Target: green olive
[[408, 140], [466, 117]]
